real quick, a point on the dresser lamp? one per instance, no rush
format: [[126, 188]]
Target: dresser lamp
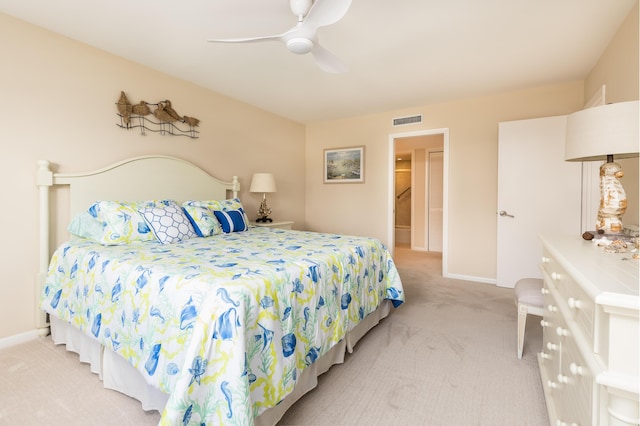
[[263, 182], [605, 133]]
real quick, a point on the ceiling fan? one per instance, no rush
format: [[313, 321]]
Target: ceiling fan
[[303, 38]]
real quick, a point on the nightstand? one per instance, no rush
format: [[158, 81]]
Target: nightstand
[[278, 225]]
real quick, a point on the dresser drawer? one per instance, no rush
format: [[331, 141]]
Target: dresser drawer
[[578, 306], [576, 383], [550, 355]]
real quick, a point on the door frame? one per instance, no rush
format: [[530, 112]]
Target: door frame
[[445, 189]]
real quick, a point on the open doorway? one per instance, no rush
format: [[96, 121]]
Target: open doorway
[[418, 191], [404, 204]]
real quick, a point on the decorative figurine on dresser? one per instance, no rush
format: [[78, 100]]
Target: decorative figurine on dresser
[[614, 200]]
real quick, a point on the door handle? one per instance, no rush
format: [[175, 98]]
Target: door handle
[[504, 213]]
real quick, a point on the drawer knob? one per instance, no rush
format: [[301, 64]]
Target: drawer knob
[[545, 355], [545, 323], [552, 385], [555, 276], [552, 346], [545, 259], [544, 290], [563, 379], [576, 369], [562, 331], [552, 308], [574, 303]]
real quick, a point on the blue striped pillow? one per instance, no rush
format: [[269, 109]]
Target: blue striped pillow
[[232, 220]]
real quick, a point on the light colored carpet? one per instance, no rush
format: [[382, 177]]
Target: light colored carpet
[[43, 384], [445, 357]]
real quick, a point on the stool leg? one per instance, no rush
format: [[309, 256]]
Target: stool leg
[[522, 322]]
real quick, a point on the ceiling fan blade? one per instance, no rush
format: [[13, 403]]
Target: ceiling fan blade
[[246, 39], [327, 61], [326, 12], [280, 37]]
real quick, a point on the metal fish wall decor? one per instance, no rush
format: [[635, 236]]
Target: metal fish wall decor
[[169, 122]]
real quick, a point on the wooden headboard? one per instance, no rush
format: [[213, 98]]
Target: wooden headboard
[[151, 177]]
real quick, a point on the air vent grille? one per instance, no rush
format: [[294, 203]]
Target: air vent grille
[[403, 121]]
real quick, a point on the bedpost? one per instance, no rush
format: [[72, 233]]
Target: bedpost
[[44, 179], [236, 186]]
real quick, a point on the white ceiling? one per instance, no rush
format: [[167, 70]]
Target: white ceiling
[[401, 53]]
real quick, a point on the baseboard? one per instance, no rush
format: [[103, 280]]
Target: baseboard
[[472, 278], [7, 342]]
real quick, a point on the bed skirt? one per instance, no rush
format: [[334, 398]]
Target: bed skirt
[[117, 374]]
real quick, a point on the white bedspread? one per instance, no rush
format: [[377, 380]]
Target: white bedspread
[[225, 325]]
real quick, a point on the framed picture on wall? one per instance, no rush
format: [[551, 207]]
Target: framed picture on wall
[[344, 165]]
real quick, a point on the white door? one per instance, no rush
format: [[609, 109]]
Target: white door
[[435, 201], [538, 193]]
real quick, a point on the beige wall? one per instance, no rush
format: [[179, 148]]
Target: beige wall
[[473, 145], [473, 125], [618, 65], [618, 70], [58, 103]]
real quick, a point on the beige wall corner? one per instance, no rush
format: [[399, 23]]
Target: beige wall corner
[[618, 69]]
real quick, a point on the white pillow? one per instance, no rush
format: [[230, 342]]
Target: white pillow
[[168, 223]]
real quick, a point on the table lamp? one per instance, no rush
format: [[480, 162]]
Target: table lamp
[[263, 182], [602, 133]]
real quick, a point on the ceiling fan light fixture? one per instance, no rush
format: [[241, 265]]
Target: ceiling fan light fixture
[[299, 45], [303, 37]]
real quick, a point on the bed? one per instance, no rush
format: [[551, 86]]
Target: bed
[[228, 326]]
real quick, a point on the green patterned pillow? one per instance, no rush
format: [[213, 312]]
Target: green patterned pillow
[[223, 205], [114, 222], [203, 220], [84, 225]]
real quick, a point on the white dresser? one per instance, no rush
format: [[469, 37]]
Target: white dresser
[[590, 360]]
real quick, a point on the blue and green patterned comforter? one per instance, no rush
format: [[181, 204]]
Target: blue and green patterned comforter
[[226, 324]]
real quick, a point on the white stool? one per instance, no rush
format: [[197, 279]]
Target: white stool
[[529, 299]]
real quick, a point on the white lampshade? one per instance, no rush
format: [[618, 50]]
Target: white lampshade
[[263, 182], [594, 133]]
